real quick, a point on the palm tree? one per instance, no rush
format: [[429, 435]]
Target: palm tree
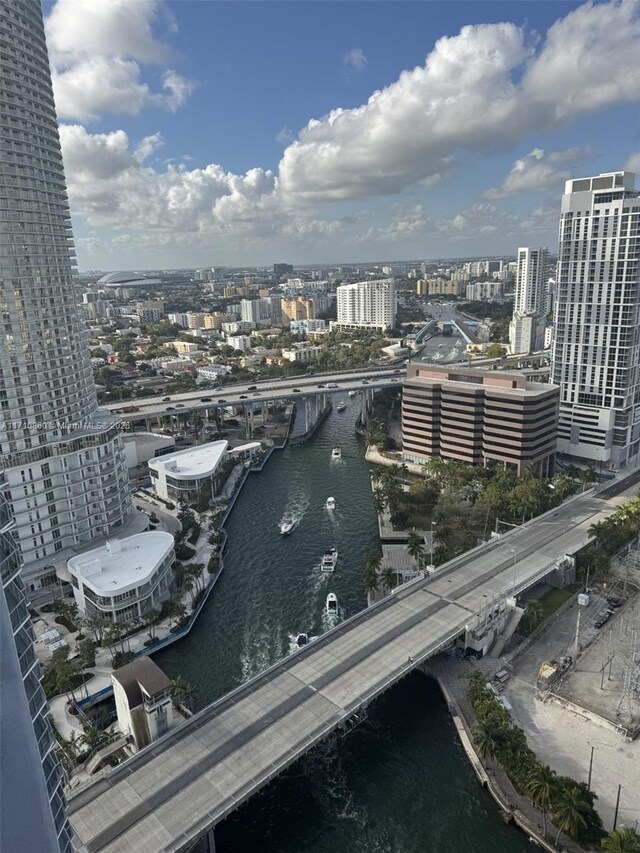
[[182, 691], [151, 618], [533, 612], [388, 578], [415, 546], [568, 810], [379, 502], [540, 787], [486, 740], [587, 475], [621, 841], [372, 568]]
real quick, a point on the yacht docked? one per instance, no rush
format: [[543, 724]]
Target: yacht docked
[[332, 604], [336, 453], [329, 560], [331, 503]]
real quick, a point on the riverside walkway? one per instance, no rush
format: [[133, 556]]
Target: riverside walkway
[[174, 792]]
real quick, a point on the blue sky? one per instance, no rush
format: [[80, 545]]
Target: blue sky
[[208, 133]]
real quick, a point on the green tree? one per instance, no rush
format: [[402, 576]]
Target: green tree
[[388, 578], [486, 739], [621, 841], [533, 612], [98, 624], [151, 618], [415, 547], [494, 350], [182, 691], [569, 808], [541, 788], [372, 568], [379, 501], [87, 652]]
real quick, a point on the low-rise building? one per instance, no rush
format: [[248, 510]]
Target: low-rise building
[[182, 475], [303, 327], [239, 342], [142, 694], [182, 346], [302, 352], [124, 578], [480, 417]]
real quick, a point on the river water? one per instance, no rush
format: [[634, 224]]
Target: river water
[[400, 783]]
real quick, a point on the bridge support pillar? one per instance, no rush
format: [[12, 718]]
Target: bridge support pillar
[[248, 421], [211, 841], [264, 411]]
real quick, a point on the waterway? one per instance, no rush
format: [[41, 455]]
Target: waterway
[[400, 783]]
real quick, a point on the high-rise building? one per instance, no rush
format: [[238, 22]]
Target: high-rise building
[[367, 304], [526, 331], [33, 804], [596, 351], [64, 459]]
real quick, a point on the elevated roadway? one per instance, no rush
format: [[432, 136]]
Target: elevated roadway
[[174, 792], [264, 392]]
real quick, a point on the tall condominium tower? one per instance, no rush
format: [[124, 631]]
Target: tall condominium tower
[[66, 473], [526, 331], [367, 304], [33, 805], [596, 353]]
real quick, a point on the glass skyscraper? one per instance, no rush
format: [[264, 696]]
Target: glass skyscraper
[[64, 459]]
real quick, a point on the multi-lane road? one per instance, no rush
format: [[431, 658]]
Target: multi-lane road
[[258, 392]]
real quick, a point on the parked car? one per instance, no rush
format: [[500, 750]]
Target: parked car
[[615, 601], [600, 623]]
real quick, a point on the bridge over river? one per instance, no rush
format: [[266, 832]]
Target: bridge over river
[[174, 792]]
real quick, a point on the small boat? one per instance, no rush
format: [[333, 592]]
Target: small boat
[[352, 393], [332, 604], [341, 406], [286, 525], [331, 503], [329, 560], [302, 640], [336, 453]]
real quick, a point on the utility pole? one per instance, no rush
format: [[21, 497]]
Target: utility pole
[[576, 642], [590, 769], [615, 817]]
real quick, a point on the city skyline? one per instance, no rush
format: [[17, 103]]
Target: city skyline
[[314, 142]]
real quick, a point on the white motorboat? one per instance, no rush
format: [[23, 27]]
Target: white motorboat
[[299, 641], [341, 406], [329, 560], [332, 604], [286, 525], [353, 393], [336, 453], [331, 503]]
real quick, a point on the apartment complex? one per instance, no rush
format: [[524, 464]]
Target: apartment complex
[[596, 352], [481, 417], [526, 330], [33, 804], [64, 459], [366, 304], [298, 308]]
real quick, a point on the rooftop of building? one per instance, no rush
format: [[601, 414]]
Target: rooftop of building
[[141, 673], [121, 563], [508, 381], [195, 462], [126, 279]]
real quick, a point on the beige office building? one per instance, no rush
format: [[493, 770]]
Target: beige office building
[[480, 417]]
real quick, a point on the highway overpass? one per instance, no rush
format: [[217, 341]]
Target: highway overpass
[[174, 792], [266, 391]]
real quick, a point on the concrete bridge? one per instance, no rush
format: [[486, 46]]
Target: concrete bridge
[[172, 794]]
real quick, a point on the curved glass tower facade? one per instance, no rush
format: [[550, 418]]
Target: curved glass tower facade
[[33, 803], [64, 458]]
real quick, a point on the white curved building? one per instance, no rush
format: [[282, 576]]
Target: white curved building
[[125, 578], [64, 459], [126, 279]]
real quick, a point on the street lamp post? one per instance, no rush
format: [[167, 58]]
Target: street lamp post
[[433, 524], [515, 560]]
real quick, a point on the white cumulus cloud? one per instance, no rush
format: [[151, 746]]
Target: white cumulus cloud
[[97, 50], [539, 171]]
